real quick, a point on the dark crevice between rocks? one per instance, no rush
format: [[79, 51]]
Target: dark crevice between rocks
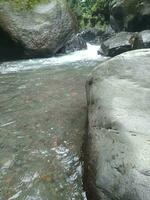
[[139, 23], [85, 160], [85, 151], [88, 175], [9, 49]]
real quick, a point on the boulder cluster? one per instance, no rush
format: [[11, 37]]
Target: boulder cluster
[[117, 154], [117, 143], [130, 21], [124, 41]]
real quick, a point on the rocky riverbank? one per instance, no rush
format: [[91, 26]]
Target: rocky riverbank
[[43, 102], [117, 162]]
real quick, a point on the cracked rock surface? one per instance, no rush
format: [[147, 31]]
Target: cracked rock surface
[[118, 139]]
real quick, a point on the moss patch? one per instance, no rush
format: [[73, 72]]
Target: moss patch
[[25, 4]]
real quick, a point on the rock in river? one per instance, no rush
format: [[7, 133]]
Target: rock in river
[[145, 36], [75, 43], [118, 139], [119, 43], [40, 30]]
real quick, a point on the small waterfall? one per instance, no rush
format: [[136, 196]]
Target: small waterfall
[[83, 55], [75, 59]]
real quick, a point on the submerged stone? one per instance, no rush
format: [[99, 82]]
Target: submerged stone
[[42, 124], [145, 36]]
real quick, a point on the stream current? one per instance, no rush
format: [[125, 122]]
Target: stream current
[[42, 124]]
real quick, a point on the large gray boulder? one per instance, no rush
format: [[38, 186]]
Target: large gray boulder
[[118, 140], [145, 37], [40, 30], [130, 15], [120, 43]]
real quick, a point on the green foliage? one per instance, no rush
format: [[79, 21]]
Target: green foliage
[[132, 6], [91, 13], [23, 4]]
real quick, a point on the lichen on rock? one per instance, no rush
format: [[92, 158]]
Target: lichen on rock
[[41, 27]]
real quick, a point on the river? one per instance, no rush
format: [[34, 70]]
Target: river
[[42, 124]]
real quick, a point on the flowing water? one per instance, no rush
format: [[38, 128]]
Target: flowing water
[[42, 123]]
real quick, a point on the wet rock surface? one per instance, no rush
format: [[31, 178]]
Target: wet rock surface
[[133, 15], [75, 43], [124, 41], [120, 43], [40, 31], [96, 36], [118, 139], [145, 37], [91, 35]]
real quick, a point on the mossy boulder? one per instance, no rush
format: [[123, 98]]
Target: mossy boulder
[[120, 43], [130, 15], [39, 27]]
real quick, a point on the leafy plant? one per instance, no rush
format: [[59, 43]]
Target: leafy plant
[[25, 4], [91, 12]]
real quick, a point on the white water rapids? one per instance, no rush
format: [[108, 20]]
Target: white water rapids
[[82, 56], [42, 124]]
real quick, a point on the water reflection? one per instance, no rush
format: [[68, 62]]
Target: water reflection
[[42, 121]]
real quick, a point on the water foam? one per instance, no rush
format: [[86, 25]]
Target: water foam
[[89, 54]]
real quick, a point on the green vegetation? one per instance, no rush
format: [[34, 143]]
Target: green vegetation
[[91, 13], [132, 6], [23, 4]]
